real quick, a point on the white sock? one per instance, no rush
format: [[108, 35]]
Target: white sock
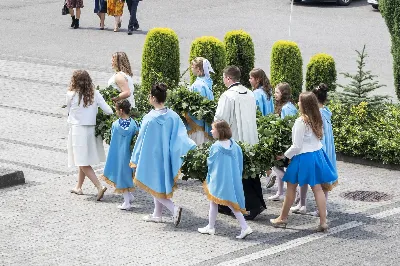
[[157, 208], [212, 214], [126, 198], [239, 216], [167, 203]]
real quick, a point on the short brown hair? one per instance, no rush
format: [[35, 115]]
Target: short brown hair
[[233, 72], [223, 129]]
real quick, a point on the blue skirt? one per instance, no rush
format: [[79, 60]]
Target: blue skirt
[[311, 168]]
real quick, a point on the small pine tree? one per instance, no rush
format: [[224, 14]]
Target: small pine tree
[[362, 83]]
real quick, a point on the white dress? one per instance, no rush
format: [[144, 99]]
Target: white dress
[[111, 82], [84, 148]]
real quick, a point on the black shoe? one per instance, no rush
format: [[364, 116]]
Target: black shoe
[[73, 21], [253, 214], [130, 32], [76, 23], [136, 28]]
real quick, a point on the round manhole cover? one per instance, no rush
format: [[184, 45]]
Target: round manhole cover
[[370, 196]]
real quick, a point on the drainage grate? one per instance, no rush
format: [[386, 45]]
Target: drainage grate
[[370, 196]]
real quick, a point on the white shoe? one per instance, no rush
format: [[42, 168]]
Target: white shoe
[[77, 191], [299, 209], [131, 197], [277, 198], [206, 230], [316, 213], [100, 193], [151, 218], [245, 233], [177, 215], [125, 206]]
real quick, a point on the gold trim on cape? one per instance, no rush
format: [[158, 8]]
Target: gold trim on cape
[[132, 165], [195, 127], [329, 187], [155, 193], [117, 190], [235, 206]]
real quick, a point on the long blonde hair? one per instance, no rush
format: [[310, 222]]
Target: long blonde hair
[[310, 112], [121, 63]]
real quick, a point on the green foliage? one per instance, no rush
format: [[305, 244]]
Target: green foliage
[[212, 49], [240, 52], [195, 164], [390, 10], [287, 66], [104, 121], [361, 84], [321, 69], [367, 132], [160, 58], [183, 101]]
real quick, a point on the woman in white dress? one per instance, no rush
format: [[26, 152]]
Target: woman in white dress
[[84, 148], [122, 79]]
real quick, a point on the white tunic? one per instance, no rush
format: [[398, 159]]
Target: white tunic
[[111, 82], [237, 106]]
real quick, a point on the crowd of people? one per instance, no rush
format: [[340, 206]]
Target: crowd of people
[[163, 139], [113, 8]]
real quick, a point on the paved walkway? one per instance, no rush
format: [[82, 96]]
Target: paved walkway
[[41, 223]]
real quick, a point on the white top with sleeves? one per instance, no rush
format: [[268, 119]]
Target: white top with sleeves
[[85, 116], [303, 138], [131, 98], [237, 106]]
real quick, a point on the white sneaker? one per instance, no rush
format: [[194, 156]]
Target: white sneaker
[[277, 198], [124, 206], [177, 215], [245, 233], [316, 213], [299, 209], [151, 218], [206, 230]]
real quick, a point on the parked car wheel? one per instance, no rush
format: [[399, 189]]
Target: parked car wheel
[[343, 2]]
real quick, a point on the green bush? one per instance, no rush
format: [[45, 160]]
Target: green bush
[[390, 10], [287, 66], [160, 58], [240, 52], [212, 49], [321, 69]]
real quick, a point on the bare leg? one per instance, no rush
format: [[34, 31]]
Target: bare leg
[[78, 13], [289, 199], [88, 170], [81, 178], [102, 18], [321, 203], [71, 12]]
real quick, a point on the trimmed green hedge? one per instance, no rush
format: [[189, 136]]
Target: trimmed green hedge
[[212, 49], [390, 10], [240, 52], [287, 66], [321, 69], [160, 60]]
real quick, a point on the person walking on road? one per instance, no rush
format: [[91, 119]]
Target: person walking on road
[[133, 22], [77, 4]]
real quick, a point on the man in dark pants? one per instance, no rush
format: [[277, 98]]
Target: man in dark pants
[[133, 22]]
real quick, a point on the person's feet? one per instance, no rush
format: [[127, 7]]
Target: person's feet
[[277, 197], [253, 214], [278, 222], [100, 194], [271, 180], [316, 213], [125, 206], [130, 31], [245, 233], [77, 191], [299, 209], [206, 230], [177, 215], [151, 218]]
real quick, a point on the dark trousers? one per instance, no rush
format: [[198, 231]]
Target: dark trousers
[[253, 196], [132, 7]]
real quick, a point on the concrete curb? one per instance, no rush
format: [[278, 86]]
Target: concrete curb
[[357, 160], [10, 177]]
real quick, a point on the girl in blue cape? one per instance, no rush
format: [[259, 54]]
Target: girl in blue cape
[[328, 145], [198, 130], [309, 164], [157, 155], [284, 107], [117, 172], [262, 91], [223, 184]]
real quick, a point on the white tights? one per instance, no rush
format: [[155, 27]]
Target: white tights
[[158, 205], [212, 216], [279, 175]]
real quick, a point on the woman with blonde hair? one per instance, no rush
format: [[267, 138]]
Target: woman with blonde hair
[[122, 78], [84, 148]]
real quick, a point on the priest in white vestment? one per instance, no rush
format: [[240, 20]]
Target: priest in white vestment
[[237, 106]]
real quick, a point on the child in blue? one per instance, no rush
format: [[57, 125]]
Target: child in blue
[[198, 130], [284, 107], [328, 145], [223, 184], [117, 172], [157, 155], [309, 164], [262, 91]]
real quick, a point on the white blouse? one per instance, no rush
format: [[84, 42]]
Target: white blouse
[[131, 86], [303, 138], [79, 115]]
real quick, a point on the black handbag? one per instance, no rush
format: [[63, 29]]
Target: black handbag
[[65, 9]]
